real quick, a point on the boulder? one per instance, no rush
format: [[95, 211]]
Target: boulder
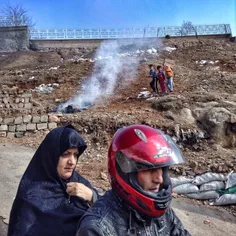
[[168, 103], [220, 124], [183, 117]]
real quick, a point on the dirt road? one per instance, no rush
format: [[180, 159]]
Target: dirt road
[[199, 220], [14, 160]]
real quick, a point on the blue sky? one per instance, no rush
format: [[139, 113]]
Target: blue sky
[[128, 13]]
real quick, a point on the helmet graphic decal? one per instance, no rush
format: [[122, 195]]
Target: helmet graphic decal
[[141, 135], [162, 152]]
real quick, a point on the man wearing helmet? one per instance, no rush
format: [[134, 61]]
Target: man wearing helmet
[[139, 202]]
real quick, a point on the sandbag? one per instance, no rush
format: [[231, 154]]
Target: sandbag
[[181, 180], [185, 188], [208, 177], [203, 195], [214, 185], [226, 199], [231, 180]]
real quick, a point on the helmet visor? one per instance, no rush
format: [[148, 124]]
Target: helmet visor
[[167, 155]]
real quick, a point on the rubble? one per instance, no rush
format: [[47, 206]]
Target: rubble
[[169, 49], [144, 94], [45, 88]]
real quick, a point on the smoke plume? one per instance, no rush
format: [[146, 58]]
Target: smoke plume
[[111, 66]]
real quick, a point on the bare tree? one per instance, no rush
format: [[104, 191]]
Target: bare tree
[[188, 28], [16, 15]]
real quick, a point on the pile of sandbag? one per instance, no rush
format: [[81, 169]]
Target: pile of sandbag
[[228, 195], [218, 188]]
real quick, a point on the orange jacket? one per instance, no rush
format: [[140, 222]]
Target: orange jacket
[[168, 71]]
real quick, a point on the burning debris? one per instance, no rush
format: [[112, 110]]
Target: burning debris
[[73, 108]]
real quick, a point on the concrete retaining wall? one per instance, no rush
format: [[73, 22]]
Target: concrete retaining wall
[[73, 43], [26, 125], [14, 38]]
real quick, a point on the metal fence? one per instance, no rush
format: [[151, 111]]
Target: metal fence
[[148, 32], [11, 21], [95, 33], [5, 21]]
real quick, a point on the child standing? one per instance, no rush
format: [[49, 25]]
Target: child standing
[[161, 77], [153, 75], [169, 74]]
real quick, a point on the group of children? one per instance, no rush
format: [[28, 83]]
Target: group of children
[[162, 75]]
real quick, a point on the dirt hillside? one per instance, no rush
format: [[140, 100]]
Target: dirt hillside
[[200, 115]]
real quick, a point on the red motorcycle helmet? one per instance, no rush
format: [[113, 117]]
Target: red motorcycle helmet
[[136, 148]]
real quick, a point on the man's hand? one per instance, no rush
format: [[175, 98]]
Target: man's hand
[[79, 190]]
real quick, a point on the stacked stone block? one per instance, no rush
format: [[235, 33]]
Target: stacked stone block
[[24, 125], [16, 101]]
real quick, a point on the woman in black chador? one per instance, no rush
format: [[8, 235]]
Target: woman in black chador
[[52, 196]]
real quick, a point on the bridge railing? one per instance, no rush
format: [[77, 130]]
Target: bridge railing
[[111, 33], [147, 32]]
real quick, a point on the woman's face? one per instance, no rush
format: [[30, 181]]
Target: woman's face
[[67, 163]]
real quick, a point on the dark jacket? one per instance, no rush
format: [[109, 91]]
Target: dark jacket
[[110, 217], [153, 74], [42, 206]]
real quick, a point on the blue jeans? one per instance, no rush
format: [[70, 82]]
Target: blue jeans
[[169, 84]]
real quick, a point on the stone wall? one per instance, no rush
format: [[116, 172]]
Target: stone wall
[[14, 38], [15, 101], [26, 125], [19, 101]]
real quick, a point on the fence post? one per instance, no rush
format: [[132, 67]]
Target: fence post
[[144, 32], [22, 20], [158, 30], [226, 29]]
